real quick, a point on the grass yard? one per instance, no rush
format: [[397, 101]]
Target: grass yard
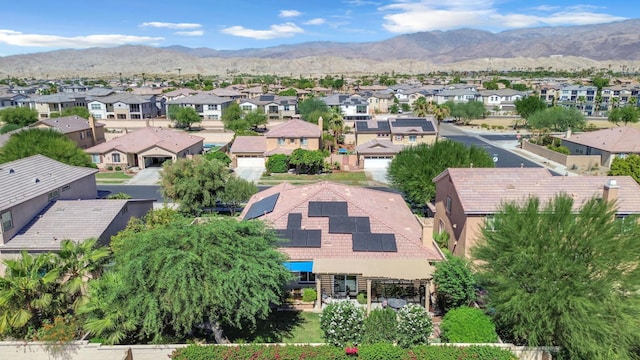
[[290, 327], [116, 177], [306, 331], [347, 177]]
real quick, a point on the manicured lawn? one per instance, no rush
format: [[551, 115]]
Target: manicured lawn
[[281, 327], [307, 330], [115, 177], [346, 176]]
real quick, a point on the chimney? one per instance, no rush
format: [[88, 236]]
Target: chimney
[[611, 189], [320, 121], [92, 125]]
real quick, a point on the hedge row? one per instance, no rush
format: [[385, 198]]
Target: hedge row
[[368, 352]]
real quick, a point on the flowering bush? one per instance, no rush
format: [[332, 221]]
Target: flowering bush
[[414, 326], [342, 322]]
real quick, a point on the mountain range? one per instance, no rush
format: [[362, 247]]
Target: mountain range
[[570, 47]]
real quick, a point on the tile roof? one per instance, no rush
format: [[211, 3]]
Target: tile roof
[[75, 220], [145, 138], [124, 98], [249, 144], [413, 126], [387, 211], [483, 190], [18, 178], [377, 146], [623, 139], [200, 99], [295, 128], [57, 98], [67, 124]]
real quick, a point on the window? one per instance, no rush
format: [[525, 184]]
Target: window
[[343, 282], [66, 187], [82, 135], [292, 141], [95, 158], [96, 107], [122, 116], [53, 195], [361, 109], [7, 221], [304, 141], [412, 138], [448, 204], [273, 109], [213, 107], [286, 108], [398, 137], [490, 223], [280, 141], [246, 108], [134, 107], [136, 116], [306, 277], [115, 157], [89, 134]]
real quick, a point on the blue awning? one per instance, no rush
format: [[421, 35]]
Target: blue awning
[[301, 266]]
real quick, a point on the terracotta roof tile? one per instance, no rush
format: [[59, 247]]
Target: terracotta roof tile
[[249, 144], [145, 138], [615, 140], [296, 129]]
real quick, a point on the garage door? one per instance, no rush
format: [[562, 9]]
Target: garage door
[[376, 163], [250, 161]]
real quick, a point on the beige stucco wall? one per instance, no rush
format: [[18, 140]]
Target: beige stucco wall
[[312, 143], [363, 138], [570, 161], [106, 160], [420, 139], [134, 209]]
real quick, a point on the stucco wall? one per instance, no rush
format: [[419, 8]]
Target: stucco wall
[[135, 209], [570, 161]]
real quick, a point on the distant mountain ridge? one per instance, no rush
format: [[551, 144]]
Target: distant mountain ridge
[[570, 47]]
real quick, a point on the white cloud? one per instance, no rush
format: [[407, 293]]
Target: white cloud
[[289, 13], [166, 25], [287, 29], [190, 33], [316, 21], [17, 38], [405, 16], [361, 2]]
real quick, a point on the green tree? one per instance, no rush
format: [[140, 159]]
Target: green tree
[[307, 161], [232, 118], [119, 196], [174, 279], [310, 105], [278, 163], [467, 325], [80, 111], [414, 168], [491, 85], [394, 109], [236, 192], [628, 166], [21, 116], [600, 82], [184, 116], [626, 114], [288, 92], [420, 107], [256, 118], [558, 118], [556, 276], [455, 283], [218, 155], [47, 142], [529, 105], [336, 125]]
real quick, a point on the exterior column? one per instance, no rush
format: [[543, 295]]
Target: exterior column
[[318, 306], [427, 295], [368, 296]]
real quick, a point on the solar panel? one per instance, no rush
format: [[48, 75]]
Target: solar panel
[[315, 208], [388, 242], [342, 225], [374, 243], [285, 235], [334, 208], [362, 224], [299, 238], [359, 242], [313, 238], [294, 221], [262, 207]]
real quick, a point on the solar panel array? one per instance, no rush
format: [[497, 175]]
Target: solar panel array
[[381, 126], [327, 208], [262, 207], [426, 126], [300, 238], [374, 242]]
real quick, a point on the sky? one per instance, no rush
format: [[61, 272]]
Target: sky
[[45, 25]]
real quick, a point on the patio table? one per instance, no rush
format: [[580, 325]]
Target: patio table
[[396, 303]]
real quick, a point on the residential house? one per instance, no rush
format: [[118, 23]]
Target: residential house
[[46, 105], [43, 201], [611, 143], [149, 146], [502, 100], [550, 93], [274, 106], [343, 240], [457, 95], [228, 93], [73, 88], [85, 133], [579, 96], [352, 107], [209, 107], [379, 102], [9, 99], [252, 151], [378, 141], [409, 96], [467, 198], [124, 106]]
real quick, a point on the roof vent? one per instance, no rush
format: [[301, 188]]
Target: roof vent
[[11, 171], [37, 180]]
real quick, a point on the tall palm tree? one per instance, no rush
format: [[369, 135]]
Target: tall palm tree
[[440, 112], [28, 293], [421, 107], [336, 124]]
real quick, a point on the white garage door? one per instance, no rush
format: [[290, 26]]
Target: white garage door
[[376, 163], [250, 162]]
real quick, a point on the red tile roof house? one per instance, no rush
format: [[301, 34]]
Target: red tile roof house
[[282, 139], [43, 201], [345, 240], [466, 198], [145, 147], [608, 143]]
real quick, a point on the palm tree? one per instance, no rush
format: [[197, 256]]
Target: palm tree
[[420, 107], [439, 112], [28, 293], [336, 124], [78, 262]]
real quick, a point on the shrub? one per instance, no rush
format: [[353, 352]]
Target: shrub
[[110, 168], [278, 163], [361, 298], [218, 155], [467, 325], [484, 126], [456, 353], [119, 195], [118, 168], [455, 282], [380, 326], [309, 295], [560, 149], [414, 326], [259, 352], [342, 322], [382, 350]]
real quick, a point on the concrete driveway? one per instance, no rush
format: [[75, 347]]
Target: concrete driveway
[[249, 173], [379, 175], [148, 176]]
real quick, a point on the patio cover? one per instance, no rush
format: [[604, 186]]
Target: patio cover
[[401, 269]]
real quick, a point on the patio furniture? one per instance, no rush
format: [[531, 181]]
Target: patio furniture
[[396, 303]]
